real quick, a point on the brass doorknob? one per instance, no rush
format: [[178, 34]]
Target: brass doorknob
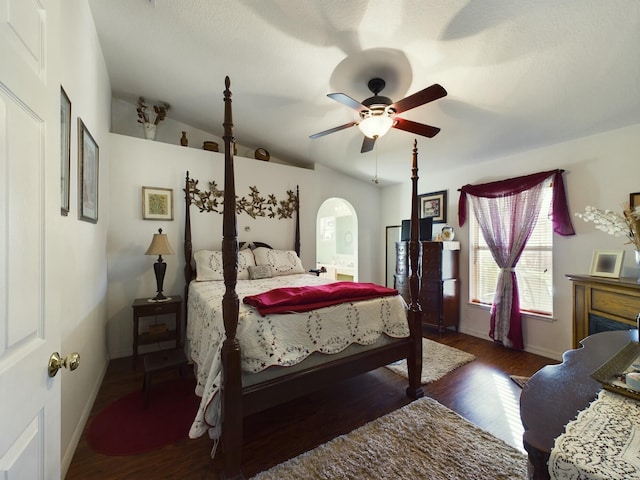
[[71, 361]]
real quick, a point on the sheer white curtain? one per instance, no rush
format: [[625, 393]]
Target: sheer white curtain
[[506, 222], [507, 211]]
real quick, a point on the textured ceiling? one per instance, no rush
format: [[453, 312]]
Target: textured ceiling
[[518, 74]]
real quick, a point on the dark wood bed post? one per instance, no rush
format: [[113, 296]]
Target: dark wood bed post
[[188, 247], [296, 245], [414, 362], [231, 377]]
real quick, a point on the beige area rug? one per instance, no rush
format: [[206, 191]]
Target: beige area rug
[[421, 440], [437, 361]]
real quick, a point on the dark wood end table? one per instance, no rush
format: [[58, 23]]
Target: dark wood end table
[[556, 393], [142, 307]]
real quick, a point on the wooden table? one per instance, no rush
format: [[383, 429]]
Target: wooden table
[[556, 393], [142, 307]]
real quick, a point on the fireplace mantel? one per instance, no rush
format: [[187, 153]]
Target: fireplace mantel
[[616, 300]]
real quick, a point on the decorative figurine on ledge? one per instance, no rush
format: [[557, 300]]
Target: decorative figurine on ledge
[[447, 234]]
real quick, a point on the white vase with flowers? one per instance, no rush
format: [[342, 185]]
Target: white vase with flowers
[[143, 117]]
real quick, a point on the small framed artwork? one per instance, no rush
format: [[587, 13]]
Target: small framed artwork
[[65, 151], [157, 203], [606, 263], [634, 200], [434, 205], [88, 167]]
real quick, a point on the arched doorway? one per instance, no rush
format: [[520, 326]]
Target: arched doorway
[[337, 239]]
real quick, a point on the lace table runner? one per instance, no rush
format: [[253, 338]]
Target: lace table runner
[[603, 442]]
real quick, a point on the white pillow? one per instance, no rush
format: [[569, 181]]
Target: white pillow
[[282, 262], [209, 265]]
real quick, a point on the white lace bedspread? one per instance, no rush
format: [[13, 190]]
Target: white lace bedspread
[[603, 442], [276, 339]]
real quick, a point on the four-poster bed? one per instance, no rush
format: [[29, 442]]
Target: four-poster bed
[[236, 379]]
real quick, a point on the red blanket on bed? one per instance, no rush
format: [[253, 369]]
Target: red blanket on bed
[[303, 299]]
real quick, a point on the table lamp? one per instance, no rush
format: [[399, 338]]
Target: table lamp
[[159, 246]]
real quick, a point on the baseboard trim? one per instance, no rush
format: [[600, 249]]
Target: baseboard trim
[[67, 457], [536, 350]]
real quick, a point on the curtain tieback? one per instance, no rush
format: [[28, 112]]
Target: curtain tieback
[[508, 269]]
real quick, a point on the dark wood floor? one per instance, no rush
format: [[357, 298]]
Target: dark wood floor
[[480, 391]]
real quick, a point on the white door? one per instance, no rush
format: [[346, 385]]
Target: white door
[[29, 200]]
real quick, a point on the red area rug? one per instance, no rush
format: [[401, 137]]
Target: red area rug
[[126, 427]]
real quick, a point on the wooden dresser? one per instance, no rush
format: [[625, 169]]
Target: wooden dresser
[[602, 304], [439, 294]]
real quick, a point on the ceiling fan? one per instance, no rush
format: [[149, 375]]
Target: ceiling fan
[[378, 114]]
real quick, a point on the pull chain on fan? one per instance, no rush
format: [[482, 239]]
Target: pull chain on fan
[[375, 178]]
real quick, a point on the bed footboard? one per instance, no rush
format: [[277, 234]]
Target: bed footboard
[[232, 388], [414, 361], [234, 398]]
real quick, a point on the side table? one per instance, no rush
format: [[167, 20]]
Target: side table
[[142, 307], [555, 394]]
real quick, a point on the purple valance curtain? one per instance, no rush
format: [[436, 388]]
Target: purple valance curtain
[[507, 211], [560, 215]]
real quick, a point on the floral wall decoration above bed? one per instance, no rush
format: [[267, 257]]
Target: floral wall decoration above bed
[[254, 205]]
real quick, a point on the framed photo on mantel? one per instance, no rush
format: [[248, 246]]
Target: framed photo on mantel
[[606, 263]]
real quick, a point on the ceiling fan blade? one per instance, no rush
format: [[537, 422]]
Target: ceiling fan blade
[[427, 95], [348, 101], [331, 130], [367, 144], [414, 127]]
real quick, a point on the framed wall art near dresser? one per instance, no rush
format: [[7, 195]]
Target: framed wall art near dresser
[[434, 205]]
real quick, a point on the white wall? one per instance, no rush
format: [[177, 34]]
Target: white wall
[[82, 257], [601, 170], [136, 162]]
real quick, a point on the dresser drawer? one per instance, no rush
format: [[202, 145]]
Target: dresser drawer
[[401, 283], [156, 309], [402, 258]]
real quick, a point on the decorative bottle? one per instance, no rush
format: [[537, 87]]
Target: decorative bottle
[[447, 234]]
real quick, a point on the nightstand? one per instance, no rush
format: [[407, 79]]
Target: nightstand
[[142, 307]]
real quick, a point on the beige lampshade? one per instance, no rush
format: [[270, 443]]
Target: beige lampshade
[[160, 245]]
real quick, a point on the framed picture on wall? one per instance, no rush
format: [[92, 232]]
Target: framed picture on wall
[[606, 263], [634, 200], [88, 165], [157, 203], [65, 151], [434, 205]]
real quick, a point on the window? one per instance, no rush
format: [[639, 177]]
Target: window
[[534, 270]]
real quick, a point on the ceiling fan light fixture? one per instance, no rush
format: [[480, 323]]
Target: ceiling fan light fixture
[[375, 123]]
